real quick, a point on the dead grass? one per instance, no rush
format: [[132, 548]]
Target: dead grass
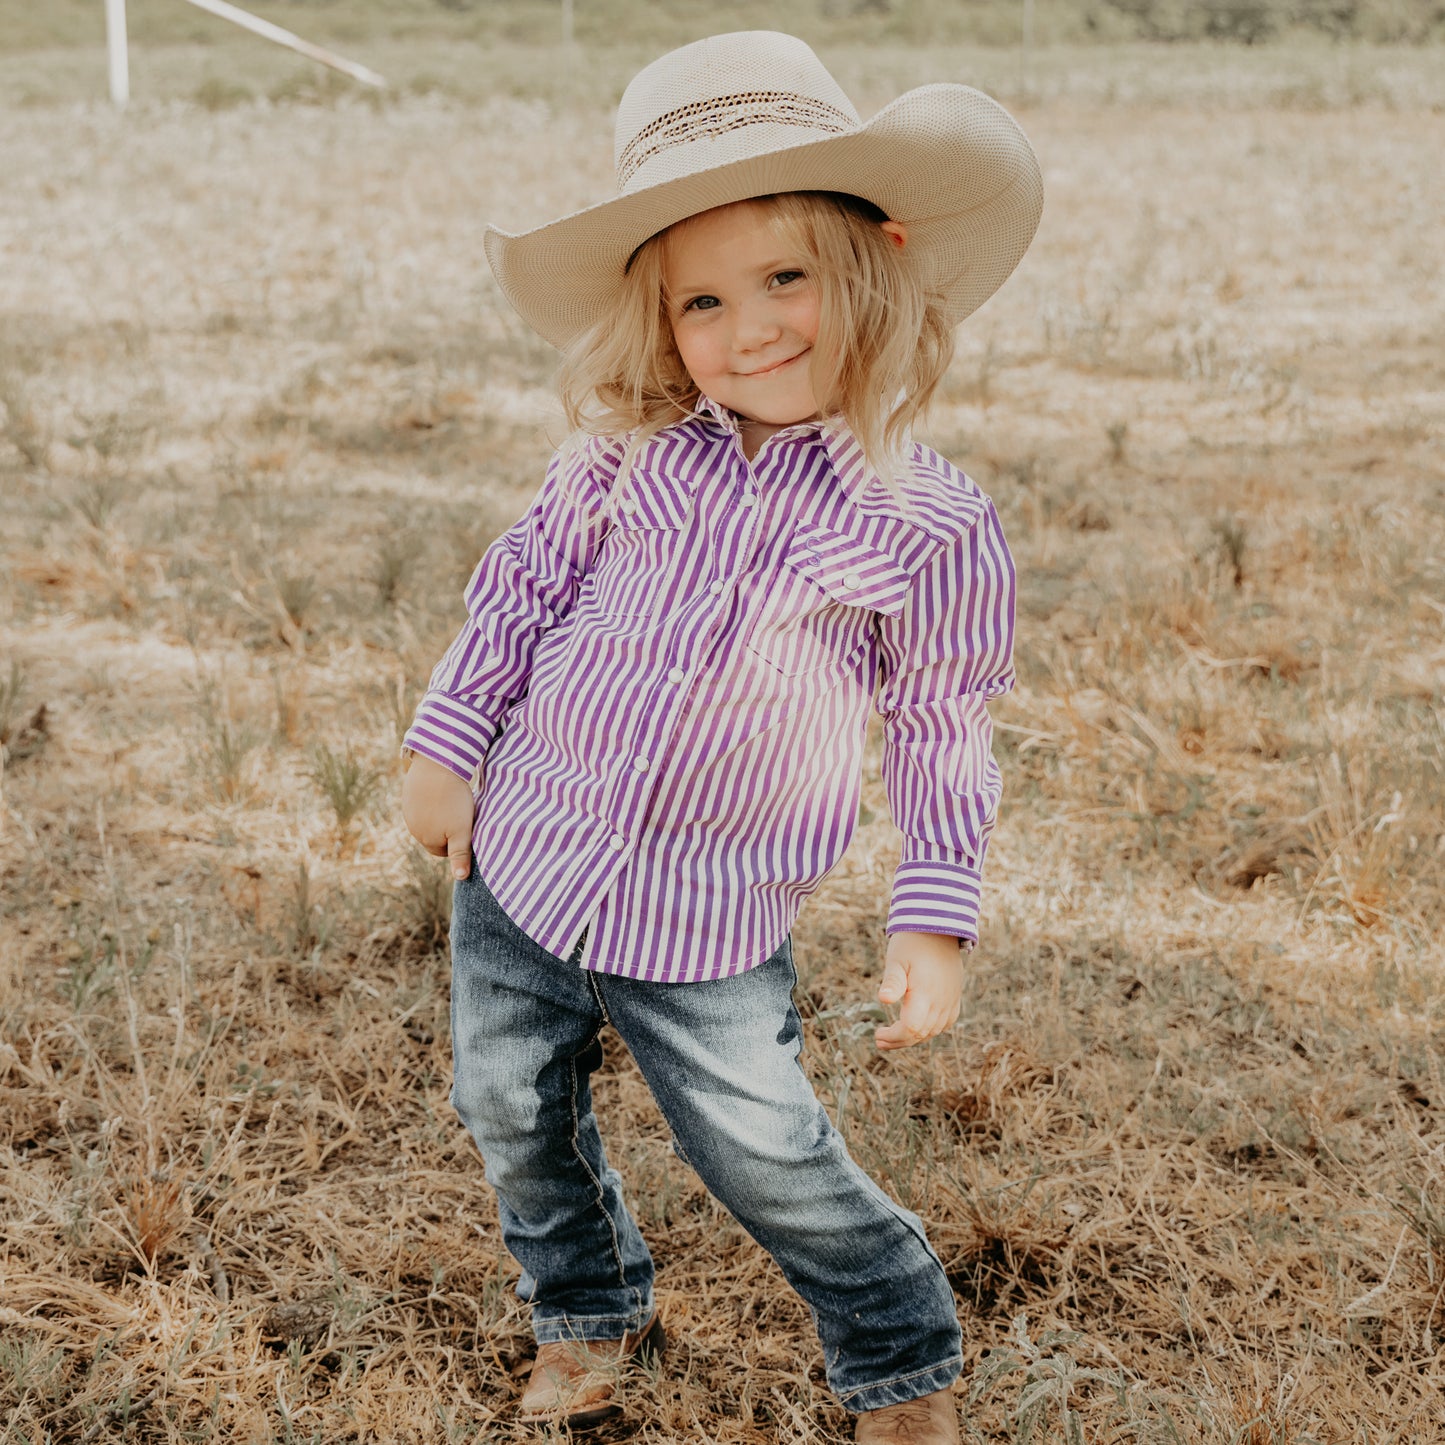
[[261, 409]]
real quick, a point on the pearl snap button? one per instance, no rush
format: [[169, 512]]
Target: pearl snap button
[[718, 588], [617, 842], [676, 675], [852, 581], [627, 504], [641, 764], [749, 499]]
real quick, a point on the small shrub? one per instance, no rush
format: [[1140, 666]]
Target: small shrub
[[94, 501], [215, 93], [392, 564], [12, 688], [347, 783], [1231, 540], [308, 925], [295, 591], [223, 745], [427, 902], [18, 423]]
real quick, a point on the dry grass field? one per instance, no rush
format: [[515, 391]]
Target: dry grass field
[[260, 410]]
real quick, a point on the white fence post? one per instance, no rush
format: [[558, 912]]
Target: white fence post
[[1026, 49], [117, 51]]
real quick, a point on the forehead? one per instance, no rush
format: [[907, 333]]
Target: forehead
[[735, 233]]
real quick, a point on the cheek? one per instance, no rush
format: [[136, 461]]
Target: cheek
[[697, 352], [803, 318]]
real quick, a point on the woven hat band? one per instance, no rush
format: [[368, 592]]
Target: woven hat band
[[706, 120]]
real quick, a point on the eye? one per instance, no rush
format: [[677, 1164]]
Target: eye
[[785, 278], [702, 303]]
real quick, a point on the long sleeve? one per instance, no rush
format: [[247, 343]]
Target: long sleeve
[[944, 655], [524, 584]]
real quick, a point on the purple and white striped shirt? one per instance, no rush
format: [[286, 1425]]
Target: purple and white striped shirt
[[671, 703]]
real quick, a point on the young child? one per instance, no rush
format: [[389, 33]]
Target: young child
[[643, 750]]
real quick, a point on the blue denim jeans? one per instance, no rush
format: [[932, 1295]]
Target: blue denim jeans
[[721, 1059]]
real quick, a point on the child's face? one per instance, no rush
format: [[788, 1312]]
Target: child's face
[[744, 314]]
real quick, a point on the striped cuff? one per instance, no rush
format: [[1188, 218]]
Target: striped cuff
[[452, 733], [935, 897]]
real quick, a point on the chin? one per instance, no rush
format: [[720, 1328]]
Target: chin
[[786, 415]]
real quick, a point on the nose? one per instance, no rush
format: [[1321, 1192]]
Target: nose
[[758, 326]]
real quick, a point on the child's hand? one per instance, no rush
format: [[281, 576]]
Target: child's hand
[[925, 971], [437, 806]]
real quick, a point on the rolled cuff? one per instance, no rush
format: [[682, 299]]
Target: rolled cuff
[[451, 732], [933, 896], [911, 1386]]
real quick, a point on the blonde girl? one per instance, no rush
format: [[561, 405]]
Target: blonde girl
[[643, 750]]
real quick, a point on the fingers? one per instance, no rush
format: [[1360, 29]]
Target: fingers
[[436, 805], [912, 1026], [927, 1008], [895, 982], [899, 1034], [922, 973], [456, 849]]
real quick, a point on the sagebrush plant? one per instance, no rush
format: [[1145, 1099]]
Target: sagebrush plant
[[295, 591], [12, 689], [348, 783], [223, 742], [1182, 1157]]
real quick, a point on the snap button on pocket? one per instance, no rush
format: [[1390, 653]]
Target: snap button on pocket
[[849, 570], [828, 587], [628, 578]]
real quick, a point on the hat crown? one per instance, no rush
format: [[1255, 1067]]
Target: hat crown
[[721, 100]]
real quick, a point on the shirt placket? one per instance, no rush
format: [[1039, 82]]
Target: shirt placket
[[665, 695]]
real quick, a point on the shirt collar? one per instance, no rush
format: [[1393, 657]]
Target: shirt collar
[[842, 447]]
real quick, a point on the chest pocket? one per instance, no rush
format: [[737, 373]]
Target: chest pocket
[[631, 575], [828, 588]]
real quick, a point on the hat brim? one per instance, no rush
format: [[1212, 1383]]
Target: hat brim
[[946, 160]]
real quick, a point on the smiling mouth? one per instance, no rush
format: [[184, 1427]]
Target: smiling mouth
[[777, 366]]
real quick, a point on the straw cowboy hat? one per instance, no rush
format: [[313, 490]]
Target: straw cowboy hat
[[756, 113]]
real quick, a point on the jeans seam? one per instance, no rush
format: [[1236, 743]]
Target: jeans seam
[[592, 983], [601, 1002], [845, 1396], [587, 1168]]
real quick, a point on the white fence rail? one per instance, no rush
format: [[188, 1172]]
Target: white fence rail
[[115, 32]]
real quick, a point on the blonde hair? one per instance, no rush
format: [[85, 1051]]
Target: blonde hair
[[881, 350]]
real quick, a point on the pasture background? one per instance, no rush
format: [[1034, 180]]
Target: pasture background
[[260, 410]]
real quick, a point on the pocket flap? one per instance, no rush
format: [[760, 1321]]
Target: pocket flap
[[849, 570], [653, 499]]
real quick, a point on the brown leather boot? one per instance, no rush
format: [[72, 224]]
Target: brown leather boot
[[576, 1382], [928, 1420]]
